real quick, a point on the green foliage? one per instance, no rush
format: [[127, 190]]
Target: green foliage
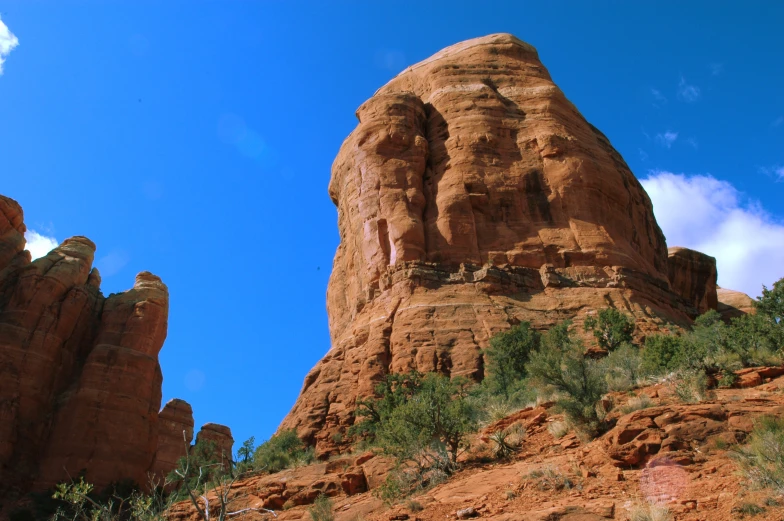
[[246, 451], [624, 368], [507, 355], [761, 460], [281, 451], [207, 466], [432, 421], [561, 365], [691, 386], [611, 328], [771, 303], [321, 509], [660, 353], [393, 391], [79, 501]]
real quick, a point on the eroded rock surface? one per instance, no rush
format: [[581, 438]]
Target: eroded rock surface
[[733, 303], [80, 382], [693, 275], [220, 435], [473, 195], [175, 434]]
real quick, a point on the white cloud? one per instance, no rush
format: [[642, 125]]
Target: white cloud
[[658, 97], [712, 216], [643, 155], [7, 43], [774, 171], [39, 245], [716, 68], [686, 92], [667, 139]]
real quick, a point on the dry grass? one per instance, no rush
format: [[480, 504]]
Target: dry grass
[[636, 403], [558, 429], [646, 511]]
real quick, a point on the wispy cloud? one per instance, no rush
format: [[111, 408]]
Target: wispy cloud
[[693, 143], [666, 139], [111, 263], [390, 59], [716, 68], [7, 43], [712, 216], [777, 172], [686, 92], [659, 99], [39, 245], [777, 122], [643, 154]]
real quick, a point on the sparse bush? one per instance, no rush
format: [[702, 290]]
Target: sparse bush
[[393, 391], [611, 328], [551, 478], [624, 368], [561, 365], [321, 509], [414, 506], [636, 403], [691, 386], [281, 451], [748, 509], [648, 511], [507, 355], [558, 429], [761, 460], [505, 443]]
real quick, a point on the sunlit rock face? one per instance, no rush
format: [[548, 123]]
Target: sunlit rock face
[[471, 196], [80, 382]]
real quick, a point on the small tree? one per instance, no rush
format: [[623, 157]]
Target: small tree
[[507, 355], [611, 329], [624, 368], [771, 303], [436, 419], [561, 365], [393, 391], [280, 452], [659, 354]]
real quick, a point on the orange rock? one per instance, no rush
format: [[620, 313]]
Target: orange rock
[[220, 435], [471, 196], [693, 276], [733, 303], [175, 434], [80, 383]]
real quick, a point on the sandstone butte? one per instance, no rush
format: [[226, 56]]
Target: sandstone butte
[[471, 196], [80, 382]]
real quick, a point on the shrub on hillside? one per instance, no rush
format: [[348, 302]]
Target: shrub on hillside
[[321, 509], [611, 328], [392, 392], [506, 357], [624, 368], [761, 460], [281, 451], [560, 365], [659, 354]]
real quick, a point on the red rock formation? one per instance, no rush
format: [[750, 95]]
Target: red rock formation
[[733, 303], [473, 195], [218, 434], [80, 383], [692, 275], [175, 433]]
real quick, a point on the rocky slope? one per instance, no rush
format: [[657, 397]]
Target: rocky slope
[[675, 455], [80, 382], [471, 196]]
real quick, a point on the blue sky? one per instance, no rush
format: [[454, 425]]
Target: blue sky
[[194, 139]]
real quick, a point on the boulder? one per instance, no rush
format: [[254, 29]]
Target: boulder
[[692, 275]]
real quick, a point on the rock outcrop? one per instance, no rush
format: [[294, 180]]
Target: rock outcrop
[[80, 382], [733, 303], [220, 435], [471, 196], [693, 275], [175, 434]]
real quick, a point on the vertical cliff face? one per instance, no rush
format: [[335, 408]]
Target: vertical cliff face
[[692, 275], [80, 383], [473, 195]]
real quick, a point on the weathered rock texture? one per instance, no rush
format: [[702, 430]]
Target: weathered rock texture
[[80, 383], [175, 434], [473, 195], [733, 303], [218, 434], [692, 275]]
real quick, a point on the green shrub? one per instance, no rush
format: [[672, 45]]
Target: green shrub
[[761, 460], [611, 328], [691, 386], [579, 381], [659, 354], [551, 478], [321, 509], [507, 355], [392, 392], [636, 403], [281, 451], [435, 419], [771, 303], [624, 368]]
